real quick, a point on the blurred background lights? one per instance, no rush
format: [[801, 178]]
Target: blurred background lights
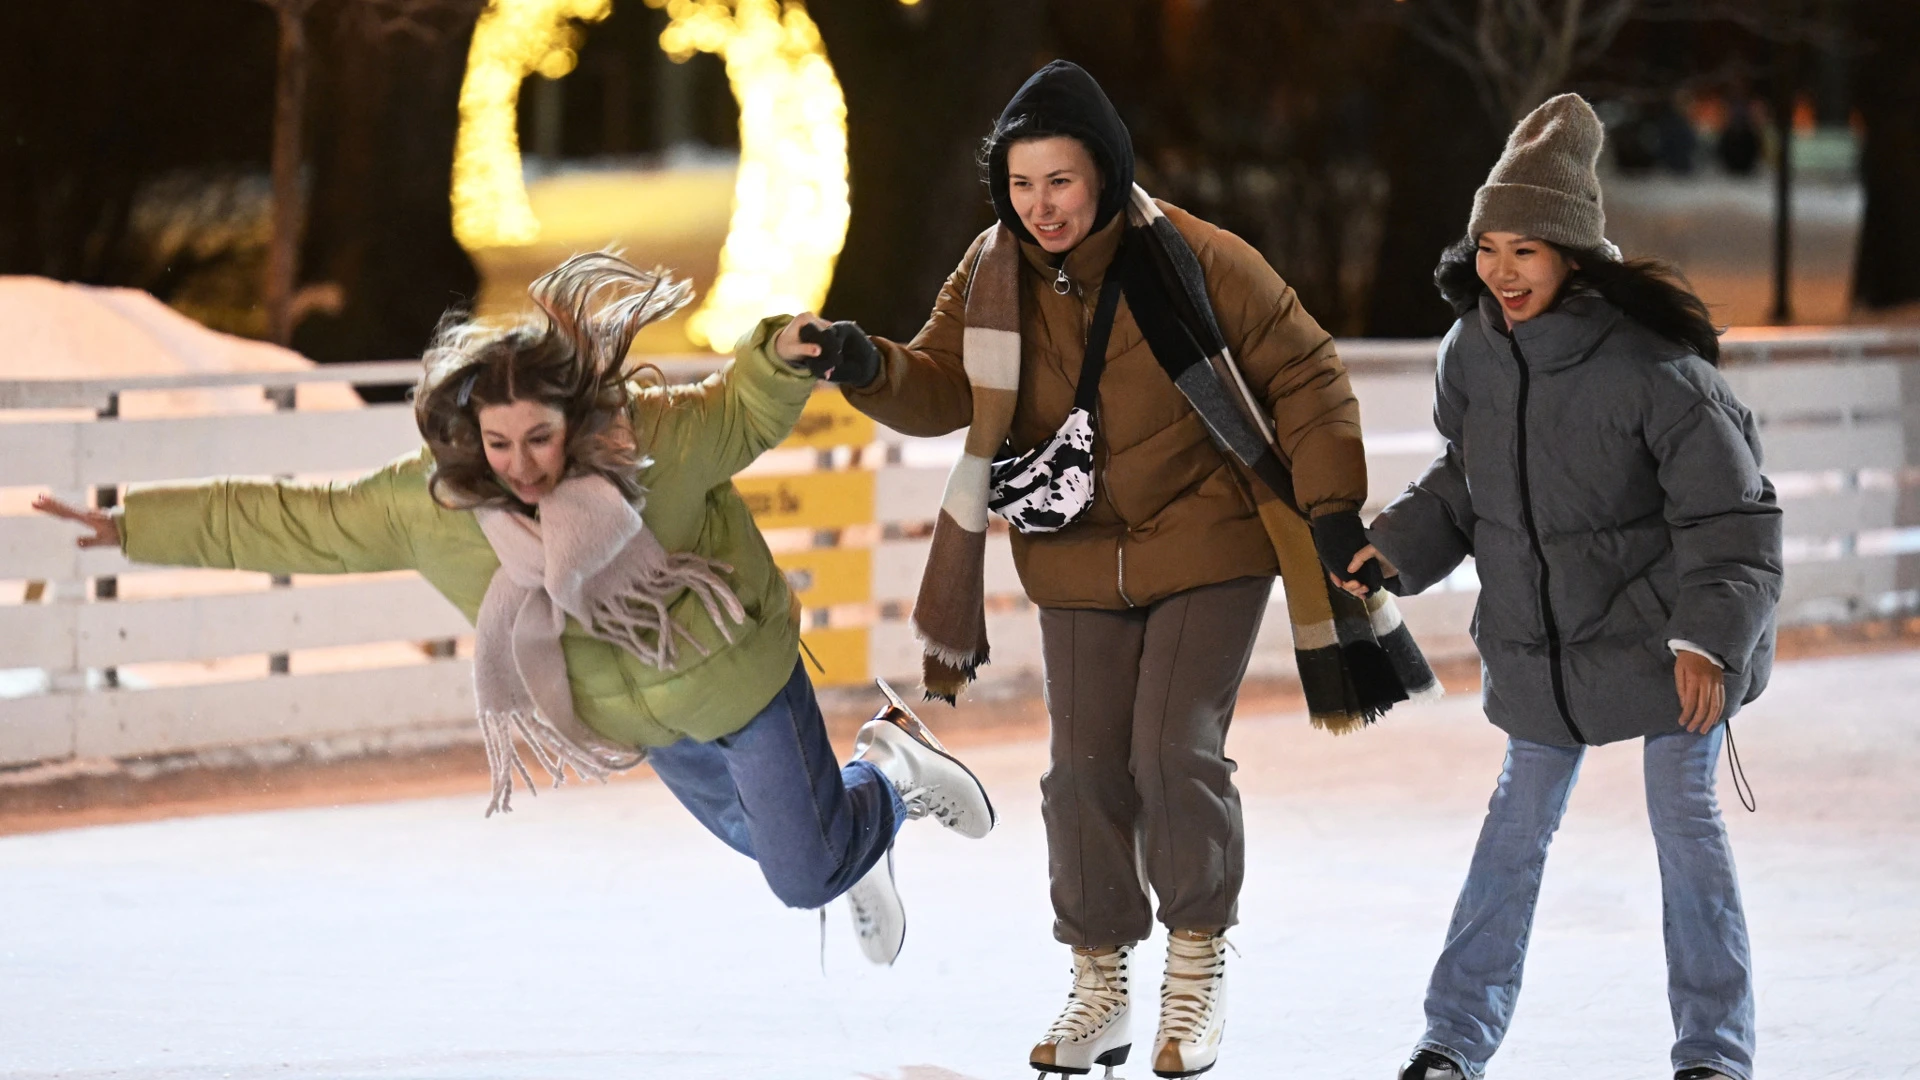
[[790, 209], [514, 39]]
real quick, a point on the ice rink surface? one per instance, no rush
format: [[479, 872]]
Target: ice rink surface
[[599, 933]]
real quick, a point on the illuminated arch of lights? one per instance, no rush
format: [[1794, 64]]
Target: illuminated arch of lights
[[790, 194]]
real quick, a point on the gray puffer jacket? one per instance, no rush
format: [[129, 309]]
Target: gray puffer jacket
[[1607, 483]]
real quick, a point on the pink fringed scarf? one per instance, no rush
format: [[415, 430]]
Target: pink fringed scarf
[[588, 556]]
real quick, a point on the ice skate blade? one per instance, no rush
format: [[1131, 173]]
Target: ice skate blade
[[900, 716], [900, 713], [1110, 1060]]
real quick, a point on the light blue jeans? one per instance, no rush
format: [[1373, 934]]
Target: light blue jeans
[[1709, 974], [775, 792]]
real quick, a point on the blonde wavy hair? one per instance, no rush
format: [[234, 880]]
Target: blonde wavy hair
[[571, 355]]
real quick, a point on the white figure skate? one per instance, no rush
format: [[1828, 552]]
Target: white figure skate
[[1193, 1005], [932, 782], [1093, 1028]]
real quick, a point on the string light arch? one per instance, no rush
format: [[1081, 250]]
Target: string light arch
[[790, 208]]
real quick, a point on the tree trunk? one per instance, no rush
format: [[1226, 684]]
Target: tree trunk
[[289, 198], [1784, 85], [1887, 271], [386, 113], [1441, 147], [923, 85]]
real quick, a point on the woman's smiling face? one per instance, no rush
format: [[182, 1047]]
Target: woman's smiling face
[[1055, 188], [1523, 273], [526, 444]]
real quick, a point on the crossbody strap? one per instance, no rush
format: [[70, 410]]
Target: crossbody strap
[[1087, 393]]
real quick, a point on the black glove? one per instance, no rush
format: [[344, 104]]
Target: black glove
[[1338, 538], [846, 356]]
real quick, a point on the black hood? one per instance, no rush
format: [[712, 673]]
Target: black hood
[[1062, 97]]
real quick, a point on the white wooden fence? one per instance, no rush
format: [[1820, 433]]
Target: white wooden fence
[[100, 659]]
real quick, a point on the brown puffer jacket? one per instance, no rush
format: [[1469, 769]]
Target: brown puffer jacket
[[1169, 513]]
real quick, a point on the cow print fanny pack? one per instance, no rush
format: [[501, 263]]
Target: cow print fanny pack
[[1051, 486]]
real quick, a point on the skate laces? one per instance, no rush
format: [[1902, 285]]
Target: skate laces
[[923, 801], [1191, 986], [865, 918], [1099, 991]]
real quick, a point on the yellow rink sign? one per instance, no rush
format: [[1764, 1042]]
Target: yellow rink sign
[[821, 500], [828, 421], [823, 577], [842, 651]]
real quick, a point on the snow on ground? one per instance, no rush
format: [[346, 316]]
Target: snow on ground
[[598, 933]]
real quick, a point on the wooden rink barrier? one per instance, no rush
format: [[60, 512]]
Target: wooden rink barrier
[[101, 660]]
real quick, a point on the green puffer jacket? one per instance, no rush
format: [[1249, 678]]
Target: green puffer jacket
[[697, 437]]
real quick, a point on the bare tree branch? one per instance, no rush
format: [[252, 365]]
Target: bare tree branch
[[1792, 22], [1517, 52], [425, 21]]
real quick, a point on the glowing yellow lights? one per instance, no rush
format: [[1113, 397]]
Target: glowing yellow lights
[[790, 197], [513, 39], [790, 194]]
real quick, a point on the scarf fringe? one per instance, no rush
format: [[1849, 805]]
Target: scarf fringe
[[1343, 723], [961, 660], [944, 671], [631, 612], [555, 752]]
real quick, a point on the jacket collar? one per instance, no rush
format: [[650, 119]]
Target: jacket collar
[[1086, 265], [1558, 338]]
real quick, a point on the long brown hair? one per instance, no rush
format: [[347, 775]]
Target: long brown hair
[[571, 355]]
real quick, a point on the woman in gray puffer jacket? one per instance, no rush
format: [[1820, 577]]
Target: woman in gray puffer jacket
[[1607, 484]]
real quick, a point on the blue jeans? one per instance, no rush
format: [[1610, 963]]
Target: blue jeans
[[775, 793], [1709, 974]]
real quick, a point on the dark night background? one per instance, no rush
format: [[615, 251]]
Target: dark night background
[[135, 138]]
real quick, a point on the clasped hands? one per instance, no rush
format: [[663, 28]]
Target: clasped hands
[[838, 352]]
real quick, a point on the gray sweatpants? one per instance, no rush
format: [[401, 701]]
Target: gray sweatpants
[[1140, 791]]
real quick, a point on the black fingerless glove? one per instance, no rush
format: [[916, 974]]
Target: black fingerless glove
[[846, 355], [1338, 537]]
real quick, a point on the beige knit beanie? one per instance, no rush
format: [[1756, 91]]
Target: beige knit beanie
[[1544, 184]]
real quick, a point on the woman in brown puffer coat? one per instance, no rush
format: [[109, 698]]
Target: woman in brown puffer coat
[[1149, 599]]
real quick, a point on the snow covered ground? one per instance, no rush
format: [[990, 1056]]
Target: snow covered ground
[[598, 933]]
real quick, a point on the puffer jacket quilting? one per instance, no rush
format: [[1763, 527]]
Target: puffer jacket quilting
[[1607, 483], [1169, 513]]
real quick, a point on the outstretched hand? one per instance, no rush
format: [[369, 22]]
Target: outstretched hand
[[1703, 691], [1361, 558], [105, 532]]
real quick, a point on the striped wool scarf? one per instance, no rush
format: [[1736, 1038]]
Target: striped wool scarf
[[1355, 657]]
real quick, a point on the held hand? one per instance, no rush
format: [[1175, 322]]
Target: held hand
[[1360, 559], [1338, 538], [847, 355], [1703, 691], [105, 532], [787, 344]]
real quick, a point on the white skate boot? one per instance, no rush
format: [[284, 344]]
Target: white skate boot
[[879, 920], [930, 781], [1193, 1004], [1092, 1029]]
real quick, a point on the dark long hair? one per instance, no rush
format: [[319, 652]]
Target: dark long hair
[[571, 355], [1652, 292]]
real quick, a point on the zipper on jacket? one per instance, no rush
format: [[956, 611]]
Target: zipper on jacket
[[1554, 659]]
